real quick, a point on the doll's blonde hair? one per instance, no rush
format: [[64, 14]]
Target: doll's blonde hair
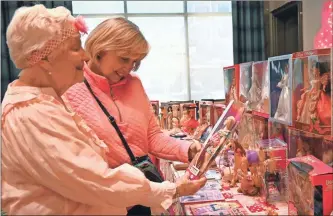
[[31, 28], [120, 35]]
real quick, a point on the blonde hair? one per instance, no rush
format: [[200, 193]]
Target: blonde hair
[[120, 35], [31, 28]]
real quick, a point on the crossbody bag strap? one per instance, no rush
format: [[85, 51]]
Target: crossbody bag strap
[[112, 120]]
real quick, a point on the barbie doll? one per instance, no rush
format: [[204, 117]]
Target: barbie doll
[[201, 129], [233, 91], [163, 118], [204, 159], [188, 122], [315, 103], [245, 81], [239, 154], [156, 114], [169, 118], [261, 107], [271, 174], [255, 90], [176, 111], [175, 126], [283, 108], [250, 184]]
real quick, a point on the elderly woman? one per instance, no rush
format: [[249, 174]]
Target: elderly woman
[[116, 47], [52, 162]]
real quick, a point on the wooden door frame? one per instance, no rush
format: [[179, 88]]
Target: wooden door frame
[[274, 17]]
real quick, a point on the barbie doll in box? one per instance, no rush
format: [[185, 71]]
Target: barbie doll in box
[[256, 88], [271, 173], [176, 111], [315, 103], [175, 126], [245, 81], [188, 122], [214, 146], [155, 110], [202, 128], [163, 118], [283, 108], [169, 118]]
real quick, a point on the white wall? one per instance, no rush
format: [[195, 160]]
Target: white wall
[[311, 21]]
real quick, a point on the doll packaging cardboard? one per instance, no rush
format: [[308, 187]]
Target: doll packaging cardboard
[[310, 186]]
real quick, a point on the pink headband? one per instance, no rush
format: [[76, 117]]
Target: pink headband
[[78, 25]]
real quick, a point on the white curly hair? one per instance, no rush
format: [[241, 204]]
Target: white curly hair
[[31, 28]]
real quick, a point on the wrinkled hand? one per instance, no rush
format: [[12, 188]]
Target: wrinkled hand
[[186, 187], [195, 148]]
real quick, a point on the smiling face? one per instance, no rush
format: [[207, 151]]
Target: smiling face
[[115, 67], [116, 47]]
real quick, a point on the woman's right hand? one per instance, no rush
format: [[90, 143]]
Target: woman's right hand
[[186, 187]]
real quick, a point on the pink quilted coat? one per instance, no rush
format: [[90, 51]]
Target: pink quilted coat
[[128, 103]]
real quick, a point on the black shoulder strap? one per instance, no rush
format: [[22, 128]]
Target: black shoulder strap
[[114, 124]]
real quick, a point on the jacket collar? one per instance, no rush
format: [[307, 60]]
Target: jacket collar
[[101, 82]]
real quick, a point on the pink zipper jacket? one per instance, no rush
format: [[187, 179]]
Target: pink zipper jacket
[[128, 103]]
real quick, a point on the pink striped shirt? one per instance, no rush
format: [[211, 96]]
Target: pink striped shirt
[[53, 163]]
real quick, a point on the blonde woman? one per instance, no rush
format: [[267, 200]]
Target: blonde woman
[[52, 162], [116, 48]]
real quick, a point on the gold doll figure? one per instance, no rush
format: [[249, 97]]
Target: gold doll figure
[[271, 173], [239, 155], [250, 184], [208, 154]]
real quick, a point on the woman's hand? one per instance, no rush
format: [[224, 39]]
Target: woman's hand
[[195, 148], [186, 187]]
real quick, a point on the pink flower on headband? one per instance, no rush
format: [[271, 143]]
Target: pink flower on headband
[[80, 24]]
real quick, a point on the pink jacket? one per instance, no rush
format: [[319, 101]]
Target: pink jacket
[[128, 103]]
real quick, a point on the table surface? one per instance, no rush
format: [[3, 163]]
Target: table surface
[[252, 205]]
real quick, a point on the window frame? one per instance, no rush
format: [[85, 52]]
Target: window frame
[[185, 14]]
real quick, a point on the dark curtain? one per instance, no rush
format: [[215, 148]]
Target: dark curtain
[[248, 31], [8, 70]]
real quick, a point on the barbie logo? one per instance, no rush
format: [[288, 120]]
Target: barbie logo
[[329, 182], [306, 53]]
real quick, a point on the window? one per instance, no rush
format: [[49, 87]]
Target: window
[[155, 7], [191, 41]]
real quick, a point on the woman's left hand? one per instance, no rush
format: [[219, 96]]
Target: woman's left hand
[[195, 148]]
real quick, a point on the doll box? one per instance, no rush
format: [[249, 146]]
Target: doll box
[[278, 149], [312, 88], [310, 186], [231, 83]]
